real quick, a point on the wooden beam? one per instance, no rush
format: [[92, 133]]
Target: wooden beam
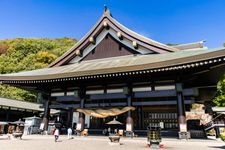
[[66, 98], [99, 105], [171, 102], [146, 94], [108, 96], [64, 106], [106, 104], [165, 93]]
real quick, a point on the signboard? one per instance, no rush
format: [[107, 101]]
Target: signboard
[[78, 127], [161, 124], [183, 127], [128, 127], [76, 93], [125, 90], [179, 87], [42, 126]]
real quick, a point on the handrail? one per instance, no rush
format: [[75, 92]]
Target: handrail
[[216, 117], [211, 124], [212, 121]]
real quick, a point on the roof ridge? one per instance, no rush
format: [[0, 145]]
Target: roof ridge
[[151, 40], [198, 42]]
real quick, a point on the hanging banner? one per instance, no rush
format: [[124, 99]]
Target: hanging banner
[[103, 113]]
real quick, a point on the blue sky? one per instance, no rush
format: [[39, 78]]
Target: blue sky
[[167, 21]]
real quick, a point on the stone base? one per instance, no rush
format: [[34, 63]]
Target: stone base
[[154, 146], [114, 138], [184, 135], [129, 134]]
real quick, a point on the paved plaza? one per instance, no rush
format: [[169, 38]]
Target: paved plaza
[[39, 142]]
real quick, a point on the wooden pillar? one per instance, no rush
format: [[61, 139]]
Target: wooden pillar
[[46, 114], [82, 95], [7, 114], [139, 111], [69, 117], [69, 113], [153, 86], [180, 108], [46, 111], [129, 121], [217, 129]]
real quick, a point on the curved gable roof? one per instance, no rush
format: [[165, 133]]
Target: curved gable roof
[[106, 20]]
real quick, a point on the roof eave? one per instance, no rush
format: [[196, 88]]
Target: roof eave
[[167, 65]]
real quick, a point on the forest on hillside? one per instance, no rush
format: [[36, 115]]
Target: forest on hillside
[[22, 54]]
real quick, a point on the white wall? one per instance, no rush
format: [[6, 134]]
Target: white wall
[[76, 119]]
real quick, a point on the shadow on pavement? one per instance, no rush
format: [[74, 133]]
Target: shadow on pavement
[[219, 147]]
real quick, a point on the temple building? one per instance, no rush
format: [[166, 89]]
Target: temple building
[[112, 67]]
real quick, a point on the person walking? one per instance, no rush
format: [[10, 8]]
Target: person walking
[[56, 134], [69, 133]]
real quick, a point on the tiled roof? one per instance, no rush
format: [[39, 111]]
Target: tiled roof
[[20, 104], [119, 64], [5, 102]]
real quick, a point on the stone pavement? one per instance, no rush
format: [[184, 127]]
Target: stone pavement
[[43, 142]]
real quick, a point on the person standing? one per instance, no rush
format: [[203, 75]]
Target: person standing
[[56, 134], [10, 131], [29, 130], [69, 133], [109, 130]]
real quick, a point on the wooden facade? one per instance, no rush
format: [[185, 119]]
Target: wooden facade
[[109, 47], [115, 67]]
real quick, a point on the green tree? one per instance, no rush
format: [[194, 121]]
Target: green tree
[[22, 54], [219, 100], [3, 48], [16, 93], [43, 59]]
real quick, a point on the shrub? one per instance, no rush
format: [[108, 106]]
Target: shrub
[[222, 137]]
